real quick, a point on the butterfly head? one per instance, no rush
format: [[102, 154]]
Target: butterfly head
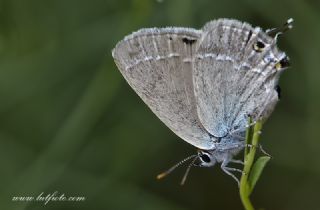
[[205, 159], [202, 159]]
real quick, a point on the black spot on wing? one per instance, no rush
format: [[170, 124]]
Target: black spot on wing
[[285, 62], [188, 40], [260, 44], [249, 37], [278, 89]]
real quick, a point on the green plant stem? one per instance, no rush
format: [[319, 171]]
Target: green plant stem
[[248, 161]]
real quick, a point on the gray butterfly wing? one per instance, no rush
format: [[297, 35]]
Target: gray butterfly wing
[[231, 79], [157, 65]]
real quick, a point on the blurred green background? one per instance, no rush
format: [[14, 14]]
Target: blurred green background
[[70, 123]]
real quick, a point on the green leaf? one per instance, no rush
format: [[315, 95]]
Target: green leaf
[[256, 171]]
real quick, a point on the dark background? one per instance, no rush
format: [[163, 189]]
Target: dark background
[[70, 123]]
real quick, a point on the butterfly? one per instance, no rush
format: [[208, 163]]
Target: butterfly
[[204, 84]]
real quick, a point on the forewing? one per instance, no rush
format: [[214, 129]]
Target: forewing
[[231, 79], [157, 64]]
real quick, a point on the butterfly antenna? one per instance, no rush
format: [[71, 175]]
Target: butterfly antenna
[[184, 178], [162, 175]]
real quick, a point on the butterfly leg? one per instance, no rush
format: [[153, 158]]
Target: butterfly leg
[[263, 151], [260, 148], [228, 170], [237, 161]]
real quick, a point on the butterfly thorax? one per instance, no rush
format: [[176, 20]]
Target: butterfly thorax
[[224, 151]]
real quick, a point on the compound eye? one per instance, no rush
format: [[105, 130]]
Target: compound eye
[[205, 158], [259, 46]]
